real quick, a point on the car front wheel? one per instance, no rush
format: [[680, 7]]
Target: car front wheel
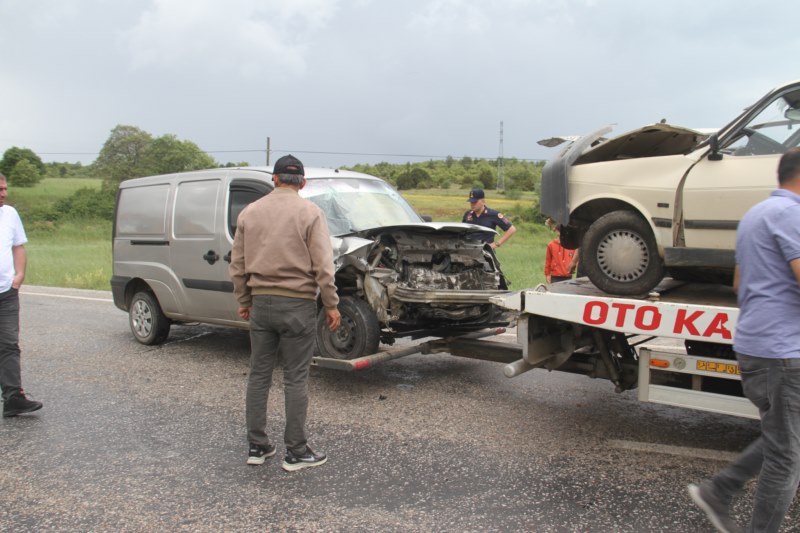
[[358, 334], [620, 256]]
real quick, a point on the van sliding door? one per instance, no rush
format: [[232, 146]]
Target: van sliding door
[[197, 250]]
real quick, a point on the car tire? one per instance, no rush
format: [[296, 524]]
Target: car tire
[[358, 334], [148, 323], [620, 256]]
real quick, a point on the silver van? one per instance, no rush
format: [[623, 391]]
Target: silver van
[[397, 275]]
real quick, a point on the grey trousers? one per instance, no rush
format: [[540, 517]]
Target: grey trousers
[[281, 330], [773, 385], [10, 378]]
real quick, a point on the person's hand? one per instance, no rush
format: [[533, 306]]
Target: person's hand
[[333, 318], [16, 283], [244, 312], [547, 278], [493, 245]]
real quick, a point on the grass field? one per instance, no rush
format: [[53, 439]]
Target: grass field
[[522, 258], [74, 255], [78, 255], [47, 192]]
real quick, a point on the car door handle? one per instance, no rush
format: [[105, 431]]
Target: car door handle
[[211, 256], [227, 257]]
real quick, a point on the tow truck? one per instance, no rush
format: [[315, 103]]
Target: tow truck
[[674, 345]]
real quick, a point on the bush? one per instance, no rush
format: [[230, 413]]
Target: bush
[[87, 203], [405, 182], [527, 213], [14, 155], [24, 174]]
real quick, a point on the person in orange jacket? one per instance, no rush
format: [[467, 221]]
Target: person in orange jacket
[[560, 263]]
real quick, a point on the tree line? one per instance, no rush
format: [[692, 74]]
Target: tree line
[[130, 152], [465, 172]]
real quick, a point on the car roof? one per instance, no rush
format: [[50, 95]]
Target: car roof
[[322, 172], [311, 173]]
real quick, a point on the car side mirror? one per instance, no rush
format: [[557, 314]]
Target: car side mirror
[[713, 143], [427, 218]]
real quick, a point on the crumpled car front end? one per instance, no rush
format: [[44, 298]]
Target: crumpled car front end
[[424, 279], [398, 276]]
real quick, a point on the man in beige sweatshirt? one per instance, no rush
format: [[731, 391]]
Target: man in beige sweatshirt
[[281, 257]]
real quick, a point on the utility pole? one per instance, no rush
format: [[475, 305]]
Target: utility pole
[[268, 139], [501, 182]]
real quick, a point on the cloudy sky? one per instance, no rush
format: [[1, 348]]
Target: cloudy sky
[[340, 82]]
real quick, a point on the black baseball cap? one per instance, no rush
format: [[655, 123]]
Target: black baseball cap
[[475, 195], [288, 164]]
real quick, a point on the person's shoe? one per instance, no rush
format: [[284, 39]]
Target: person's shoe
[[292, 462], [19, 404], [716, 510], [258, 454]]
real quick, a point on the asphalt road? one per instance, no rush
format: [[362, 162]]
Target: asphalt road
[[137, 438]]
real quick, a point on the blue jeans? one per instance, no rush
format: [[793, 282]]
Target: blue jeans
[[10, 378], [773, 385], [281, 330]]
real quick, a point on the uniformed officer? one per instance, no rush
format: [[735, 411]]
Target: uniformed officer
[[489, 218]]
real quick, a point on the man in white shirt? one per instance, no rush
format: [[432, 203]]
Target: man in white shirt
[[12, 273]]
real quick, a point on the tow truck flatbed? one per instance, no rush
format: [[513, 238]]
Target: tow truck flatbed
[[675, 309], [674, 344], [574, 327]]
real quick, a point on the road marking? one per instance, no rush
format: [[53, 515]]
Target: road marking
[[682, 451], [26, 293]]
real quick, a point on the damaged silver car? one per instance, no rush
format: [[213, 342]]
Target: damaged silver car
[[665, 199], [397, 275]]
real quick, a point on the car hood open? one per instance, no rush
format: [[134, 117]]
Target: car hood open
[[655, 140], [456, 228], [361, 240]]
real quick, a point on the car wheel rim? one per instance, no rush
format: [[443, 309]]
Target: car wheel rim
[[623, 255], [343, 339], [142, 319]]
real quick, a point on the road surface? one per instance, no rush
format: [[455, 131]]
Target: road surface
[[138, 438]]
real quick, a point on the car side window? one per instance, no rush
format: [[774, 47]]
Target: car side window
[[242, 193]]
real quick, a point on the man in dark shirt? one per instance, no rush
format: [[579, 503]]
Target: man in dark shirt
[[489, 218]]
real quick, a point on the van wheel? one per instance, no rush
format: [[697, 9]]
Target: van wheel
[[620, 255], [148, 323], [358, 335]]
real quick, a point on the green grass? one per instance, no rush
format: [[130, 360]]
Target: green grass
[[450, 204], [69, 254], [522, 258], [78, 255], [47, 192], [73, 255]]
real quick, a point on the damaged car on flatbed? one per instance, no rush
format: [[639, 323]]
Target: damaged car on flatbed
[[397, 275], [665, 199]]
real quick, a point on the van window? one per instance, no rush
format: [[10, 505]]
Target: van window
[[142, 211], [195, 208], [243, 194]]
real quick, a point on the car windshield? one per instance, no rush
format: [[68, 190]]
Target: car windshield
[[353, 204], [772, 131]]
